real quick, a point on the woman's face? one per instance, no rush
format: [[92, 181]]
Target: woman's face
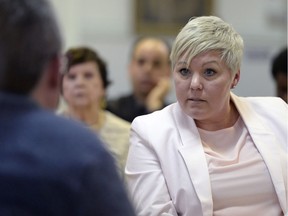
[[82, 85], [203, 86]]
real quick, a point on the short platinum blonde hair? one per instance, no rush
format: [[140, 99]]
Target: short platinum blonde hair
[[208, 33]]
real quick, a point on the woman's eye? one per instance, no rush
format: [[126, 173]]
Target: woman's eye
[[184, 72], [88, 75], [209, 72], [71, 76]]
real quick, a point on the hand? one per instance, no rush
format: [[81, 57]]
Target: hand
[[155, 99]]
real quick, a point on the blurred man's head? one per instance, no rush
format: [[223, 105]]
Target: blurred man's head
[[30, 44], [149, 63], [279, 73]]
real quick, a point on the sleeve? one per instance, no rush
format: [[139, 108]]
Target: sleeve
[[145, 180]]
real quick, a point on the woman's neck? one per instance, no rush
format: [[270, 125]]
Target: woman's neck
[[89, 115], [222, 121]]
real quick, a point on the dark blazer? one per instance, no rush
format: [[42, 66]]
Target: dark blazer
[[52, 166]]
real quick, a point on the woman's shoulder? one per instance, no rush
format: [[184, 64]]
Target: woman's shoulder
[[266, 103], [157, 119], [271, 111], [112, 119], [262, 103]]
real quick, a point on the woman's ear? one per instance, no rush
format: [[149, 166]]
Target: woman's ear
[[236, 79]]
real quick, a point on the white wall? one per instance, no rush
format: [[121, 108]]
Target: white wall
[[107, 26], [263, 25]]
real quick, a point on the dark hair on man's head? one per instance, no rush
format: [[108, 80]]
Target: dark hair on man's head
[[80, 55], [279, 63], [29, 38]]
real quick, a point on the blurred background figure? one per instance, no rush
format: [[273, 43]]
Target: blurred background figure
[[279, 73], [149, 72], [49, 165], [84, 89], [115, 27]]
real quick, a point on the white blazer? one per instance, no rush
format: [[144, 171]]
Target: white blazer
[[166, 169]]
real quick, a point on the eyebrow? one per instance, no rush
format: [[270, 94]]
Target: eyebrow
[[185, 63], [182, 63], [211, 61]]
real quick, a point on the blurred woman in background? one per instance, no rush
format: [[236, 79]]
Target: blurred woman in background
[[84, 87]]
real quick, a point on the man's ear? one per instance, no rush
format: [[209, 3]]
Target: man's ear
[[53, 72], [47, 90], [168, 70], [130, 67]]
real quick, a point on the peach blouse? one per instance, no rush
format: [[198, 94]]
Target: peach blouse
[[240, 181]]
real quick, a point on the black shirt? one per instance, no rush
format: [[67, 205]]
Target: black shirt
[[127, 107]]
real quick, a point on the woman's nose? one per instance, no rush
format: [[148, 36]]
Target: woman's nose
[[196, 82], [79, 80]]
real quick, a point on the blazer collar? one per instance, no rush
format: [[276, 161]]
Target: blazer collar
[[266, 143], [194, 157]]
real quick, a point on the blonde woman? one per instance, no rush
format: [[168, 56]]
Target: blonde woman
[[212, 152]]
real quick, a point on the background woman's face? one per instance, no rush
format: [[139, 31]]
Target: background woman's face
[[82, 85], [203, 86]]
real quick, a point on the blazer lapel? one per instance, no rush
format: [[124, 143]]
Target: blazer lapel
[[194, 157], [266, 144]]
